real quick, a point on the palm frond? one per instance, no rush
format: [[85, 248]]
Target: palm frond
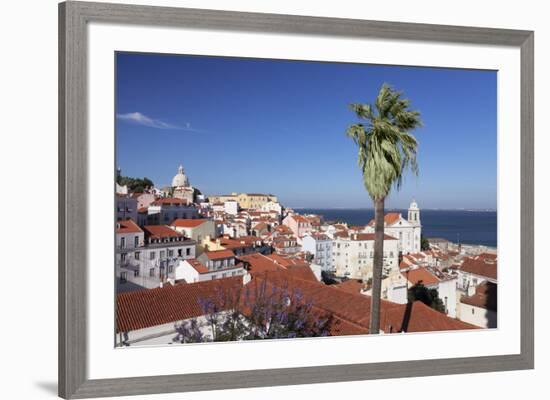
[[386, 146]]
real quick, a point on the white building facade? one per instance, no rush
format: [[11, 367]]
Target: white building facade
[[150, 262], [407, 231], [321, 247], [353, 255]]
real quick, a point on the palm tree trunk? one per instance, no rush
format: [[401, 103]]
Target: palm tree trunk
[[377, 265]]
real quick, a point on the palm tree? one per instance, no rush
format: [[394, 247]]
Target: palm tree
[[386, 150]]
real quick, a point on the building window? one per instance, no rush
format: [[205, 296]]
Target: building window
[[122, 242], [152, 272], [136, 273], [170, 269], [136, 241], [136, 255], [473, 311], [152, 255], [188, 251], [170, 253], [162, 253], [123, 276]]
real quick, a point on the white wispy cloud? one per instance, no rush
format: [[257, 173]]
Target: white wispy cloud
[[140, 119]]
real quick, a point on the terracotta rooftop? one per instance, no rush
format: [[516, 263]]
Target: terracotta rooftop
[[291, 267], [161, 232], [478, 266], [146, 308], [421, 275], [319, 236], [350, 311], [487, 257], [127, 226], [170, 201], [188, 223], [484, 297], [219, 254], [389, 219], [260, 263], [350, 286], [261, 226], [239, 242], [418, 317], [341, 234], [300, 218], [198, 266], [368, 236]]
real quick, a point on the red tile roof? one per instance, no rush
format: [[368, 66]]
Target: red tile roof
[[478, 266], [418, 317], [161, 232], [292, 267], [284, 261], [219, 254], [188, 223], [350, 286], [350, 312], [484, 297], [341, 234], [319, 236], [146, 308], [355, 308], [260, 226], [170, 201], [389, 219], [198, 266], [368, 236], [259, 263], [300, 218], [420, 275], [239, 242], [127, 226], [487, 256]]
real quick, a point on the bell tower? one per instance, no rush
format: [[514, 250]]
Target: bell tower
[[414, 214]]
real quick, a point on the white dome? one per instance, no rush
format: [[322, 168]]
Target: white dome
[[180, 179], [413, 206]]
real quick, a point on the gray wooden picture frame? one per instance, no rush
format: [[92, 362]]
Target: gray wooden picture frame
[[73, 196]]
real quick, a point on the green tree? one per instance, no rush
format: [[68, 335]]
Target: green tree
[[386, 149], [424, 244], [135, 185], [430, 297]]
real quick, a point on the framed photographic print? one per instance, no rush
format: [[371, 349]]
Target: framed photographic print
[[353, 199]]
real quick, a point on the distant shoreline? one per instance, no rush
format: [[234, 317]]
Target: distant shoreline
[[392, 209], [479, 227]]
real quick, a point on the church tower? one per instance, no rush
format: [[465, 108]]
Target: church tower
[[414, 214]]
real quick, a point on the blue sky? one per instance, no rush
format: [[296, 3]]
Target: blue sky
[[246, 125]]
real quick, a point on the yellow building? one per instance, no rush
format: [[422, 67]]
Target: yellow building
[[245, 200]]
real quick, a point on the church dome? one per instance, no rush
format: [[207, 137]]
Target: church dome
[[413, 206], [180, 179]]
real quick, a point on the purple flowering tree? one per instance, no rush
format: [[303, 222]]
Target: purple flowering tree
[[258, 311]]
